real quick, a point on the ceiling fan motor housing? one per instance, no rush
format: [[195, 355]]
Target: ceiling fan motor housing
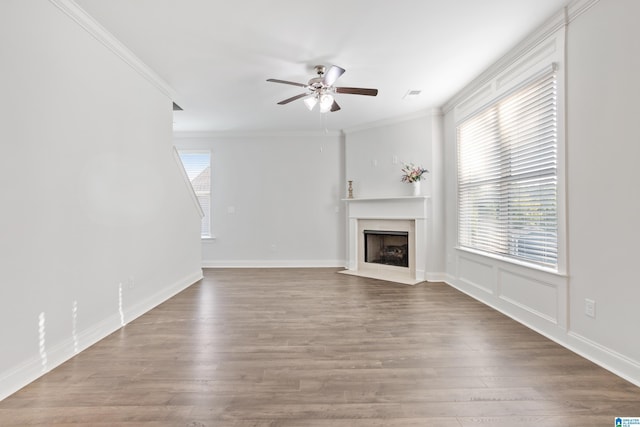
[[317, 82]]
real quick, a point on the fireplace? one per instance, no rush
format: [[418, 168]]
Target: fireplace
[[386, 247], [387, 238]]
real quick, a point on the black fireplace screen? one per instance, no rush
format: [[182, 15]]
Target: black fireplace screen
[[386, 247]]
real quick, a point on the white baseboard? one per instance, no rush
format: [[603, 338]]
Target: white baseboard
[[602, 356], [21, 375], [158, 298], [260, 263], [435, 277], [609, 359]]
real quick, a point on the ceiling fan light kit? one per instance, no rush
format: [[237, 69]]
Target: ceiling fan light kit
[[311, 102], [320, 89], [326, 101]]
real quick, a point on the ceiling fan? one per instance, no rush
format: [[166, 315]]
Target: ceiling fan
[[320, 89]]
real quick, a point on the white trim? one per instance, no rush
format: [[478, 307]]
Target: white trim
[[365, 199], [543, 56], [435, 277], [409, 274], [578, 7], [382, 275], [251, 135], [604, 357], [523, 49], [268, 263], [161, 296], [19, 376], [97, 31], [411, 208], [423, 114], [610, 360], [509, 260], [507, 83]]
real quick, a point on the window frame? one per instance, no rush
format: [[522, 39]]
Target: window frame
[[207, 211], [494, 103]]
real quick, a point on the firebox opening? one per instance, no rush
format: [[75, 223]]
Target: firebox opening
[[386, 247]]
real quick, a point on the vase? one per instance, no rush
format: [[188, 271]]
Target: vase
[[416, 188]]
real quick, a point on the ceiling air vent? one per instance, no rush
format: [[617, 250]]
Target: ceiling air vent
[[412, 94]]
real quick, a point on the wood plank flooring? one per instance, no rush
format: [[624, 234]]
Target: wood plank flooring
[[309, 347]]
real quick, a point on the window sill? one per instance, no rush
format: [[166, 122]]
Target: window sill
[[512, 261]]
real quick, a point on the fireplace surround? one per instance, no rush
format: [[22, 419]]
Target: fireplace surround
[[392, 217]]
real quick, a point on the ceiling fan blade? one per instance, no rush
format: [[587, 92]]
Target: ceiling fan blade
[[357, 91], [334, 106], [287, 82], [332, 75], [293, 98]]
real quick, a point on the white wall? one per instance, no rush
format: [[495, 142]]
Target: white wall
[[604, 198], [374, 158], [96, 224], [92, 202], [534, 296], [275, 199], [602, 201]]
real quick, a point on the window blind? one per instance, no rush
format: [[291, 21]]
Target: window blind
[[507, 176], [197, 164]]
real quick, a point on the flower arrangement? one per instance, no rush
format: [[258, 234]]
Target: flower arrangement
[[412, 173]]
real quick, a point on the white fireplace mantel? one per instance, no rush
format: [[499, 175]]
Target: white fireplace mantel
[[411, 208]]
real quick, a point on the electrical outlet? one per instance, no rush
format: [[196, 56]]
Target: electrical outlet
[[590, 307]]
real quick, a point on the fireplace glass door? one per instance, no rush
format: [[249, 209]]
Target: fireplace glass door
[[386, 247]]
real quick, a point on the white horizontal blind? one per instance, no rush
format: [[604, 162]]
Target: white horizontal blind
[[507, 176], [197, 164]]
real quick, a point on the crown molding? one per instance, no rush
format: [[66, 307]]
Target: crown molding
[[252, 135], [97, 31], [558, 21], [578, 7], [422, 114]]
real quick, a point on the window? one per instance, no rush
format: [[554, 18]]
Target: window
[[507, 176], [197, 164]]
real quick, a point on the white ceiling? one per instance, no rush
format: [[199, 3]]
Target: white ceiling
[[217, 55]]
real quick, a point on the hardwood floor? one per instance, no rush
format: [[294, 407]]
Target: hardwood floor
[[309, 347]]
